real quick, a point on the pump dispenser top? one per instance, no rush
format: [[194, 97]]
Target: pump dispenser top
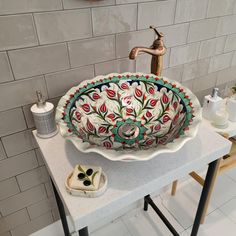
[[215, 92], [41, 101]]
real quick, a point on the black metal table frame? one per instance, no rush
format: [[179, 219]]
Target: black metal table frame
[[148, 201]]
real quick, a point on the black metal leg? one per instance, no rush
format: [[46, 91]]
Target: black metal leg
[[148, 200], [145, 208], [205, 191], [61, 211], [84, 232]]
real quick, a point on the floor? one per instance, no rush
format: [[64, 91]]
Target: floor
[[180, 210]]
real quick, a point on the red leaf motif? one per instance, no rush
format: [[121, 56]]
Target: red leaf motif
[[111, 93], [111, 116], [129, 110], [176, 118], [157, 127], [107, 144], [86, 107], [138, 92], [103, 107], [151, 90], [175, 104], [90, 125], [149, 141], [101, 129], [78, 115], [166, 118], [124, 86], [153, 102], [96, 96], [127, 100], [148, 114], [81, 131], [162, 140], [165, 98]]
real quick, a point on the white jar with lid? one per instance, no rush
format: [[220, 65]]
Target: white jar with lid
[[43, 114]]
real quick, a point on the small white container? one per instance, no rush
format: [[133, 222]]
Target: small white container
[[43, 113], [211, 105], [220, 119], [231, 108]]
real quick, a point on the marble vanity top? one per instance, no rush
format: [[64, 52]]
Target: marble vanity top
[[127, 182]]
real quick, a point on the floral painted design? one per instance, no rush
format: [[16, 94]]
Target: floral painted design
[[128, 112]]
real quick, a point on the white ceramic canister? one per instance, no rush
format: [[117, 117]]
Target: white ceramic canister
[[231, 108], [43, 113], [212, 104]]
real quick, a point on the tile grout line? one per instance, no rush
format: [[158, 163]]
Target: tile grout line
[[26, 124], [68, 55], [11, 68], [4, 150], [176, 3], [35, 28], [91, 20], [137, 16], [207, 8], [62, 4]]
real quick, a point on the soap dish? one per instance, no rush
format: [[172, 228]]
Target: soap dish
[[88, 193]]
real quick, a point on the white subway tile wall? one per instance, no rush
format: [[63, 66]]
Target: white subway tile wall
[[90, 51], [17, 31], [39, 60], [54, 45], [2, 152], [114, 19], [6, 73], [12, 121], [59, 26], [58, 83], [13, 220], [18, 143], [23, 6], [71, 4], [159, 12], [230, 44], [220, 8], [8, 188], [202, 29]]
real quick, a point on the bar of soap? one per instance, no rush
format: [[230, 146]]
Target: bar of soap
[[86, 177]]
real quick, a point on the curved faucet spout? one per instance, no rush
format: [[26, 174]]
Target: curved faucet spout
[[160, 51]]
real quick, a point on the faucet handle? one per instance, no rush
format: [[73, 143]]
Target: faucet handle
[[159, 34]]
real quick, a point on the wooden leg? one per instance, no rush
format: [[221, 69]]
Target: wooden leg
[[174, 187], [210, 191]]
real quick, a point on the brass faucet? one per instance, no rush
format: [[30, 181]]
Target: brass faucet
[[157, 50]]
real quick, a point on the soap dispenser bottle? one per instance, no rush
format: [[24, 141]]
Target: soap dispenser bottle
[[211, 104], [43, 114]]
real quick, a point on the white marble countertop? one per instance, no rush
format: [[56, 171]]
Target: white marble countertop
[[127, 182], [230, 129]]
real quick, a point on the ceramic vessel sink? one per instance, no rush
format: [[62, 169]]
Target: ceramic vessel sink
[[130, 116]]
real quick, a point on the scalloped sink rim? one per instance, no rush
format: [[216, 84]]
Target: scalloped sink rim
[[131, 155]]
